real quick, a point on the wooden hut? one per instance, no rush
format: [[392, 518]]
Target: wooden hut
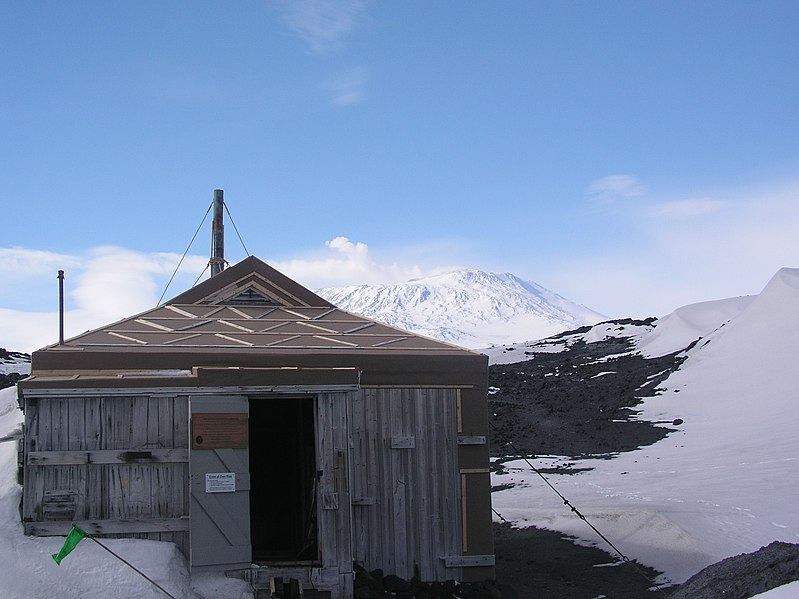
[[250, 421]]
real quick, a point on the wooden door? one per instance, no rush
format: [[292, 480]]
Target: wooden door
[[219, 510]]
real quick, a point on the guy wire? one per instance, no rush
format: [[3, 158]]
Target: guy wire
[[184, 254], [577, 512]]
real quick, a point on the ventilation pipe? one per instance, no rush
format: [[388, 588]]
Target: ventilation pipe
[[217, 261], [60, 307]]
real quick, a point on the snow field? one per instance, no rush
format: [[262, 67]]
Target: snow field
[[725, 483]]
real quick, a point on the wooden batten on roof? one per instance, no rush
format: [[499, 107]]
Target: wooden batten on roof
[[176, 423], [250, 274], [252, 316]]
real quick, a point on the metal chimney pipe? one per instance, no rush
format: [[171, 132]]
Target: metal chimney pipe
[[60, 307], [218, 234]]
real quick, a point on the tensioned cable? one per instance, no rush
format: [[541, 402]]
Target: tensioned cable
[[235, 228], [577, 512], [201, 274], [184, 255], [500, 516]]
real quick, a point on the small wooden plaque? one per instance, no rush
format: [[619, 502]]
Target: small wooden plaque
[[219, 431]]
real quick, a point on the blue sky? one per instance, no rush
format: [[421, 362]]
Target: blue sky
[[631, 156]]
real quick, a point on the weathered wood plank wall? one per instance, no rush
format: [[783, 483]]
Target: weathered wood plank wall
[[389, 489], [334, 527], [405, 481], [116, 465]]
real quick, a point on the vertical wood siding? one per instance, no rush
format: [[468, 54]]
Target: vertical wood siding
[[335, 525], [389, 489], [405, 483], [134, 488]]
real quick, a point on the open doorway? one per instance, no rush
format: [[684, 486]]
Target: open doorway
[[283, 479]]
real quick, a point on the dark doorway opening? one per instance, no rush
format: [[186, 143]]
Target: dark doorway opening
[[283, 479]]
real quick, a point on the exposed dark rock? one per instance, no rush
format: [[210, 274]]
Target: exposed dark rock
[[371, 585], [10, 379], [533, 562], [575, 402], [745, 575]]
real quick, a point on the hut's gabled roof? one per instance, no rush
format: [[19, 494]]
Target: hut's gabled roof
[[251, 305], [248, 316], [250, 281]]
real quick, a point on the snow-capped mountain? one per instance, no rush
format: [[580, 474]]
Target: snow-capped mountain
[[723, 482], [472, 308]]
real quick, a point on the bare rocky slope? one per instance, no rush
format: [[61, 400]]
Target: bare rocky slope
[[574, 402], [567, 403], [13, 367], [745, 575], [582, 401]]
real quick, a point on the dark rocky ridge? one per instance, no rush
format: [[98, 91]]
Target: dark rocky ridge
[[745, 575], [7, 380], [562, 404], [555, 403], [536, 563]]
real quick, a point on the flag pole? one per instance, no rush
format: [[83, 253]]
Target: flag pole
[[127, 563]]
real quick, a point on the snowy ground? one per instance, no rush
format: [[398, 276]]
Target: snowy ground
[[788, 591], [89, 572], [726, 482], [723, 485]]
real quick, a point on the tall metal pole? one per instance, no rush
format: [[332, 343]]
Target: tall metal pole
[[218, 234], [61, 307]]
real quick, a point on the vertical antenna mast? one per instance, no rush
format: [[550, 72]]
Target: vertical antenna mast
[[217, 261], [60, 307]]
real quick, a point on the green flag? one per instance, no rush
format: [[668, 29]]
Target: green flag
[[75, 536]]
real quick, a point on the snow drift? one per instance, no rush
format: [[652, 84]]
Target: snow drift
[[725, 483]]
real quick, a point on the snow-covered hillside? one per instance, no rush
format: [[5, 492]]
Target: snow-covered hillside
[[13, 367], [469, 307], [14, 362], [725, 482]]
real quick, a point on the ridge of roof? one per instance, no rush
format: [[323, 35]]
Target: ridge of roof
[[241, 276], [221, 317]]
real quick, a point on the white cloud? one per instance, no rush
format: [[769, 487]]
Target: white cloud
[[27, 331], [347, 263], [345, 246], [322, 24], [614, 187], [102, 286], [106, 284], [116, 282], [22, 261], [646, 260], [677, 259]]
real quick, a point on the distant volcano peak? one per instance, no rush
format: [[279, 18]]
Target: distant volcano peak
[[470, 307]]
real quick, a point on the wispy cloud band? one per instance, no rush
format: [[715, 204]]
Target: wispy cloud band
[[322, 24]]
